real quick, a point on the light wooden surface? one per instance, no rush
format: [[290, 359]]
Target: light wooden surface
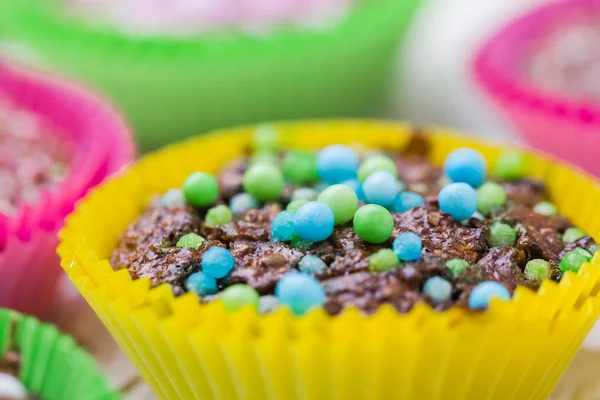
[[74, 316]]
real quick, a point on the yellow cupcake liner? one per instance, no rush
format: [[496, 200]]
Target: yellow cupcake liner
[[184, 350]]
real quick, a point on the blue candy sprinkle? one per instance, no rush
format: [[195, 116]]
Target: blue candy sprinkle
[[467, 166], [438, 289], [217, 262], [314, 221], [242, 202], [355, 185], [407, 200], [407, 246], [300, 292], [201, 283], [459, 200], [311, 264], [283, 226], [482, 294], [380, 188], [337, 163]]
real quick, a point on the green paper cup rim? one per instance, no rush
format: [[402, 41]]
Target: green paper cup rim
[[40, 20], [52, 365]]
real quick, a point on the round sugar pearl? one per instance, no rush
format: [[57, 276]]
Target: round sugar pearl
[[295, 205], [459, 200], [218, 215], [200, 189], [264, 182], [502, 235], [373, 223], [341, 200], [238, 296], [337, 163], [217, 262], [355, 185], [457, 266], [201, 283], [377, 163], [305, 193], [268, 304], [408, 246], [173, 198], [314, 221], [300, 167], [11, 388], [490, 197], [438, 289], [537, 270], [406, 200], [283, 226], [510, 165], [574, 259], [483, 293], [265, 138], [572, 235], [264, 157], [300, 292], [242, 202], [311, 264], [191, 240], [384, 260], [467, 166], [545, 208], [380, 188]]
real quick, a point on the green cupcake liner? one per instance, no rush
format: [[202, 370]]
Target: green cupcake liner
[[52, 365], [172, 88]]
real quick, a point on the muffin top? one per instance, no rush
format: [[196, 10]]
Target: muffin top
[[349, 227], [33, 157], [566, 61], [193, 17]]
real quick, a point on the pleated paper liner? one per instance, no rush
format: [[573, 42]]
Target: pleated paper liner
[[552, 122], [28, 238], [173, 88], [52, 365], [515, 350]]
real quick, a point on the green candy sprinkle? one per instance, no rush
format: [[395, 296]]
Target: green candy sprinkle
[[219, 215], [545, 208], [510, 166], [264, 157], [377, 163], [200, 189], [490, 197], [502, 235], [342, 200], [264, 182], [537, 270], [300, 167], [457, 266], [384, 260], [238, 296], [574, 259], [298, 243], [373, 223], [265, 138], [572, 235], [191, 240], [295, 205]]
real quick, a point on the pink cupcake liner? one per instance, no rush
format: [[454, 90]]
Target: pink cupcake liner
[[567, 128], [29, 266]]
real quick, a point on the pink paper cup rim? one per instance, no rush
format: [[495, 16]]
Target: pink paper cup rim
[[29, 266], [496, 65]]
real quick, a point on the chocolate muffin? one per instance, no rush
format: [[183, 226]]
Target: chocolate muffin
[[347, 227], [32, 157]]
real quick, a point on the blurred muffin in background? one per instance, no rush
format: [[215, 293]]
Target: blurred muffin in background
[[178, 68]]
